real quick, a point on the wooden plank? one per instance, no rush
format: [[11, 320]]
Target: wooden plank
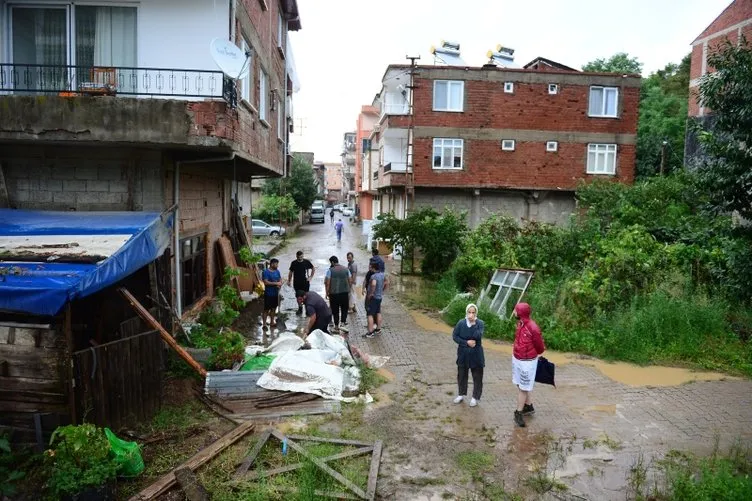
[[37, 397], [32, 407], [23, 384], [68, 361], [321, 465], [243, 468], [166, 336], [373, 473], [191, 486], [167, 481], [256, 475], [308, 438], [317, 492], [30, 362], [4, 198]]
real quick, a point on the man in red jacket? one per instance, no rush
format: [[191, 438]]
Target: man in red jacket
[[528, 344]]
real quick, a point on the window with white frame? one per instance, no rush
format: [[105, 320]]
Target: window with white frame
[[247, 83], [603, 101], [509, 87], [507, 144], [552, 146], [447, 153], [448, 95], [553, 88], [281, 31], [263, 95], [601, 159]]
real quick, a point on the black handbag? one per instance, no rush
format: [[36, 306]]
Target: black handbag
[[546, 372]]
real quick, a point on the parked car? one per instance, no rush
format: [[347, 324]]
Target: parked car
[[316, 215], [348, 211], [339, 207], [261, 228]]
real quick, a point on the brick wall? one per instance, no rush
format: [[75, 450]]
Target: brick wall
[[84, 179], [201, 211], [737, 12], [529, 166]]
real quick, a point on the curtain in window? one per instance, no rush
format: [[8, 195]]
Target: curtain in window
[[39, 37]]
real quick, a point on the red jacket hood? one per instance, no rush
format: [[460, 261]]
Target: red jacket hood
[[523, 311]]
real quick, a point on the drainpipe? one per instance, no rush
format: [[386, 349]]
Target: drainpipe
[[176, 227]]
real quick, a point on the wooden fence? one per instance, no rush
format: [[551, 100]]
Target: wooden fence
[[119, 384]]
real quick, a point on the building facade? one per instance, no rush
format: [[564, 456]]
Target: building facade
[[489, 139], [367, 118], [112, 106], [731, 25]]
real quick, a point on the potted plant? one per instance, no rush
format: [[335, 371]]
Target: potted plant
[[81, 467]]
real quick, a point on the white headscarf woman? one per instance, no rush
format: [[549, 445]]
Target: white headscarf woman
[[468, 334]]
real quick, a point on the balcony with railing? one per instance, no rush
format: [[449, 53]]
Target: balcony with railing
[[72, 81]]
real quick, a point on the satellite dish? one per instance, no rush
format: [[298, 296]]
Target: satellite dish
[[229, 58]]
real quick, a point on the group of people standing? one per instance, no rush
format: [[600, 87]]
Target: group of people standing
[[528, 346], [340, 284]]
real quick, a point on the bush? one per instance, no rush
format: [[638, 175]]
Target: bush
[[275, 208]]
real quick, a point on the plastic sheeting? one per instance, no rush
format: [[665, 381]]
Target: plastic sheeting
[[326, 371], [44, 287]]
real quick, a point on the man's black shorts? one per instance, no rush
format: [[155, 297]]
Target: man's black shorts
[[270, 302]]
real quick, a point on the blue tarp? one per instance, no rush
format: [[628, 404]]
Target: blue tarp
[[43, 288]]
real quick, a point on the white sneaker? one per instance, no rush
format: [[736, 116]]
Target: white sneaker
[[473, 402], [459, 399]]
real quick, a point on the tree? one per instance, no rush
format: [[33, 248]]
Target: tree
[[300, 185], [663, 117], [725, 173], [618, 63]]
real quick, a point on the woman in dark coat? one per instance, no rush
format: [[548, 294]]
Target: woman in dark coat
[[467, 334]]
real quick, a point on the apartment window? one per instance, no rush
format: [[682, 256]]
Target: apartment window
[[193, 269], [553, 88], [552, 146], [281, 31], [247, 83], [603, 101], [47, 35], [509, 87], [447, 153], [448, 95], [601, 159], [507, 144], [263, 95]]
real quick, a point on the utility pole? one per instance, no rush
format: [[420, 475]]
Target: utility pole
[[663, 156], [410, 188]]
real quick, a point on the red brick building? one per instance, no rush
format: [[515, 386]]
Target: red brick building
[[490, 139], [113, 132], [730, 25], [367, 118]]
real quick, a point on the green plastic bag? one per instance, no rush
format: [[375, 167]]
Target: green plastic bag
[[258, 363], [127, 455]]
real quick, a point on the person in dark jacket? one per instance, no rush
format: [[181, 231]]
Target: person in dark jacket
[[468, 334], [528, 345]]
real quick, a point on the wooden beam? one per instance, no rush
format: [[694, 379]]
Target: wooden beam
[[167, 481], [340, 441], [166, 336], [255, 475], [191, 486], [4, 198], [243, 468], [70, 384], [373, 474]]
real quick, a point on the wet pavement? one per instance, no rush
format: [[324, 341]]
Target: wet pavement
[[611, 415]]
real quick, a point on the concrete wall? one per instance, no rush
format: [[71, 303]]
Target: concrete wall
[[548, 207], [84, 179]]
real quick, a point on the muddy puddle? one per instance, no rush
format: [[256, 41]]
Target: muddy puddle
[[621, 372], [249, 323]]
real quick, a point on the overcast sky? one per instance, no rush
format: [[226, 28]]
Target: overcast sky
[[345, 45]]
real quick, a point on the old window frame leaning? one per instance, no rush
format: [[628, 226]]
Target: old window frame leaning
[[598, 150], [505, 284], [447, 104], [263, 109], [451, 143], [597, 106]]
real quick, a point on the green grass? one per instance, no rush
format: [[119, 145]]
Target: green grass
[[370, 379], [176, 417], [475, 463]]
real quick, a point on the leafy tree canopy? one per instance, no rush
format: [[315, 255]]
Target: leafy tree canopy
[[618, 63], [725, 174], [300, 185]]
